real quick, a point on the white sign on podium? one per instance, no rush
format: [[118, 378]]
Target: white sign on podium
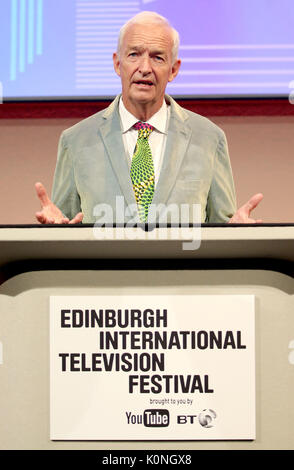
[[152, 367]]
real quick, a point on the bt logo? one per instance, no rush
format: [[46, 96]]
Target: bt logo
[[205, 418]]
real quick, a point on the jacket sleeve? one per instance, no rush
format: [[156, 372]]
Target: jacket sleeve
[[221, 202], [64, 191]]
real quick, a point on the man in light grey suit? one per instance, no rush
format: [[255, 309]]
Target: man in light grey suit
[[190, 153]]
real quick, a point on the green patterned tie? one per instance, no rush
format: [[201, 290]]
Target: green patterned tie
[[142, 170]]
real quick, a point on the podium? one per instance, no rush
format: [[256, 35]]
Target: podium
[[40, 261]]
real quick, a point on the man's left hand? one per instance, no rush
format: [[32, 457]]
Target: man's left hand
[[242, 216]]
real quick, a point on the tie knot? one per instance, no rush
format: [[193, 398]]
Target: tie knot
[[144, 129]]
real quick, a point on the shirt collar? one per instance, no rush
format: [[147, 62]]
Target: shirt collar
[[158, 120]]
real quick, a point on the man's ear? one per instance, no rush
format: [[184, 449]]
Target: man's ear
[[175, 70], [116, 63]]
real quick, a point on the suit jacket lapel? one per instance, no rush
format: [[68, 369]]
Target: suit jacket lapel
[[112, 137], [178, 138]]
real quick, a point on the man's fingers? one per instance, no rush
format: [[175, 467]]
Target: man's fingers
[[243, 213], [42, 194], [253, 202], [40, 217], [43, 219], [77, 219]]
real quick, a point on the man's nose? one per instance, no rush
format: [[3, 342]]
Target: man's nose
[[145, 65]]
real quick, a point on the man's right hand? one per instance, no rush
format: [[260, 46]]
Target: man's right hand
[[50, 214]]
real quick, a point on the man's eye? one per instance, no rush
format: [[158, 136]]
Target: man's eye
[[133, 54], [158, 58]]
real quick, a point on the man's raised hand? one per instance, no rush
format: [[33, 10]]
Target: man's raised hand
[[242, 216], [50, 214]]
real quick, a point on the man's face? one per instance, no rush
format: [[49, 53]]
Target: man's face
[[145, 64]]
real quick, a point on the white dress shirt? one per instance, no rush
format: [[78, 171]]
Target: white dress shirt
[[157, 138]]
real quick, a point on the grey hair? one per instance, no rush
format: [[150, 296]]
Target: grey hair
[[150, 16]]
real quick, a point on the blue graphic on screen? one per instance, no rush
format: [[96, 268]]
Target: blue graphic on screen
[[63, 49], [26, 34]]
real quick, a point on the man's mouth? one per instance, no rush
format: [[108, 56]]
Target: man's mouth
[[144, 83]]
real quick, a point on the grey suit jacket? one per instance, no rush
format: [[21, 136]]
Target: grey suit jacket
[[92, 168]]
